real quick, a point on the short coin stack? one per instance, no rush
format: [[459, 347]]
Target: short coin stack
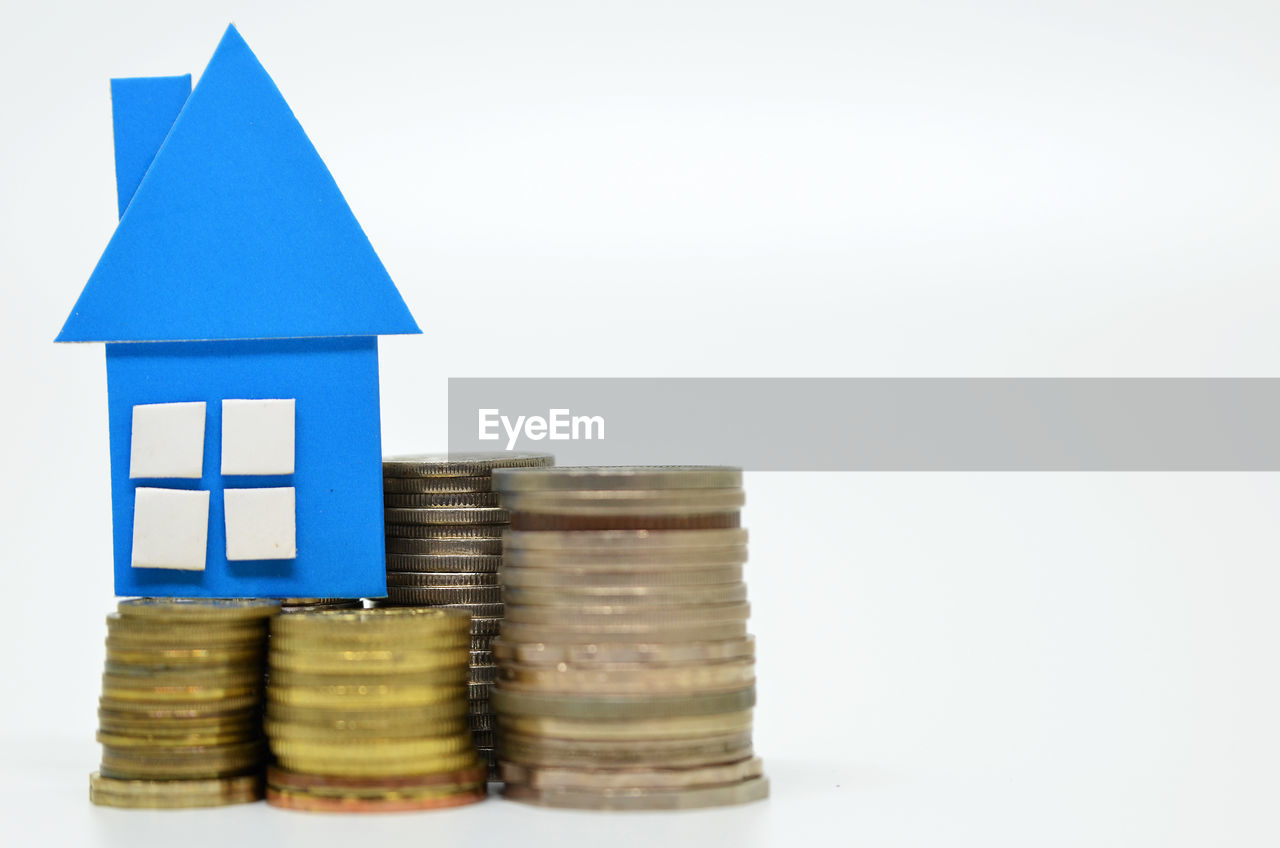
[[180, 718], [444, 545], [626, 675], [367, 711]]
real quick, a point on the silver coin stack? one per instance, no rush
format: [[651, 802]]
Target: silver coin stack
[[626, 675], [444, 547]]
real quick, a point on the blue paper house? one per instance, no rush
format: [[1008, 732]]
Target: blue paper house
[[240, 303]]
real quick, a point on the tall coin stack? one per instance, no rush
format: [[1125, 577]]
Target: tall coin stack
[[180, 718], [367, 711], [444, 546], [626, 675]]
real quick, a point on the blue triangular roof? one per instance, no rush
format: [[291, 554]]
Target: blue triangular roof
[[237, 231]]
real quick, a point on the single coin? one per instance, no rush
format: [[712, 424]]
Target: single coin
[[408, 550], [482, 738], [288, 800], [408, 660], [435, 485], [156, 741], [199, 609], [433, 651], [459, 464], [185, 658], [368, 765], [479, 691], [655, 597], [133, 724], [138, 675], [480, 706], [342, 605], [302, 782], [442, 579], [461, 500], [375, 793], [174, 794], [484, 721], [420, 594], [651, 753], [582, 478], [368, 625], [597, 779], [362, 664], [147, 631], [138, 738], [126, 675], [194, 762], [513, 576], [400, 564], [589, 653], [573, 634], [358, 678], [400, 516], [630, 613], [176, 711], [483, 674], [363, 697], [630, 678], [677, 727], [161, 695], [480, 641], [357, 718], [642, 559], [412, 595], [506, 702], [122, 639], [457, 530], [625, 541], [754, 789], [384, 732], [411, 538], [666, 502], [193, 652], [560, 521], [342, 748]]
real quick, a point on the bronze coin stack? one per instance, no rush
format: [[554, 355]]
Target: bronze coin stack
[[367, 711], [626, 674], [180, 718], [444, 546]]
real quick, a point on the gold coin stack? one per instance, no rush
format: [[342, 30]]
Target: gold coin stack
[[180, 717], [444, 546], [367, 711], [626, 675]]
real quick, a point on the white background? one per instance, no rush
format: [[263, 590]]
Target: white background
[[749, 189]]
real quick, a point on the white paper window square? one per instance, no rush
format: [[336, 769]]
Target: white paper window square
[[167, 440], [260, 523], [170, 528], [257, 436]]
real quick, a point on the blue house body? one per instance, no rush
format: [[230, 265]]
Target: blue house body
[[238, 274]]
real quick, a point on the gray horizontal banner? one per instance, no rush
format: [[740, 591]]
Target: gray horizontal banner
[[816, 424]]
